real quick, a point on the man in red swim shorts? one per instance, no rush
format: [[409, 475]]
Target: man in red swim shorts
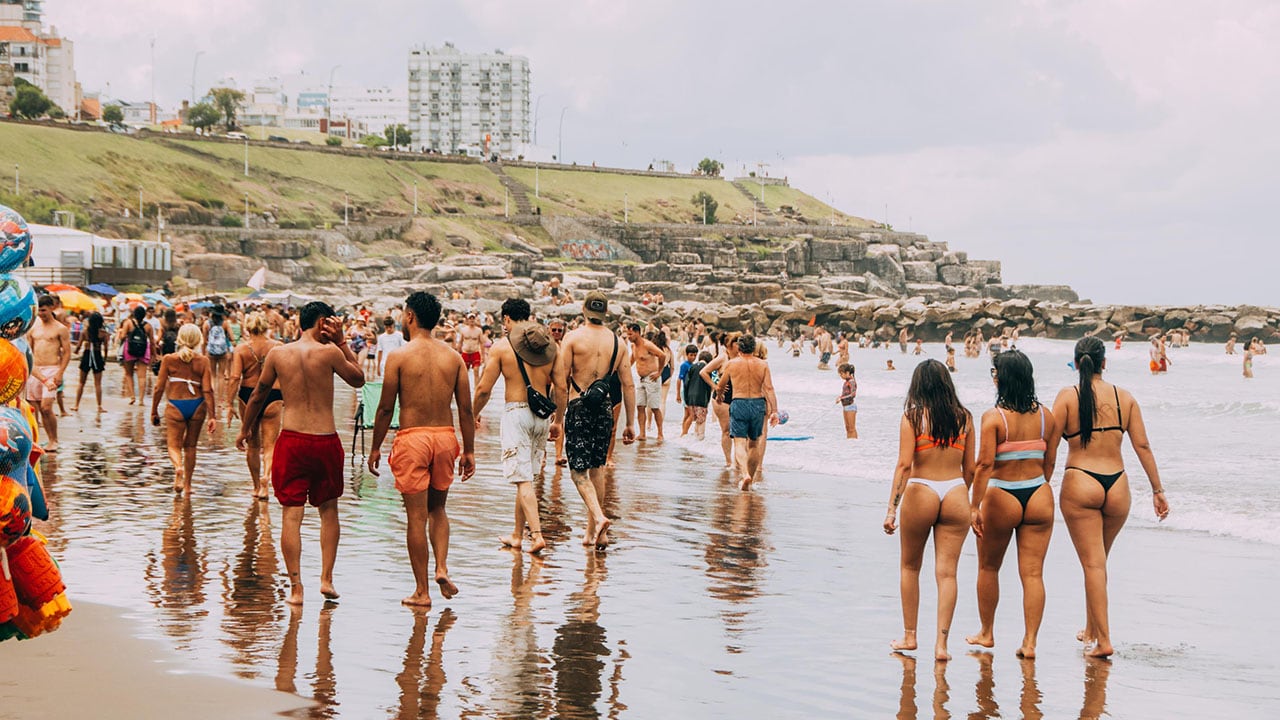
[[471, 345], [427, 376], [307, 466]]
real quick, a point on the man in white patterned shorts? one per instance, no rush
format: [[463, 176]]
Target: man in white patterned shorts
[[649, 361], [525, 358]]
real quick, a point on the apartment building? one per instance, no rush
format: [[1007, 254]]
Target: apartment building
[[42, 58], [460, 102]]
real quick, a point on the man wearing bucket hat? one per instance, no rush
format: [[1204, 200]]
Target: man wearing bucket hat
[[591, 358], [525, 359]]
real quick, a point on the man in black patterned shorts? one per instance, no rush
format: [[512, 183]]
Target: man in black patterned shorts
[[589, 357]]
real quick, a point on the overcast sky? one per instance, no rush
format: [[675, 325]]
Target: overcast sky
[[1124, 147]]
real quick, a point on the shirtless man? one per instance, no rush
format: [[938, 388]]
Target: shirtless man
[[842, 350], [524, 435], [558, 328], [427, 376], [649, 361], [822, 340], [902, 340], [753, 402], [50, 343], [308, 459], [590, 353], [471, 344], [276, 322]]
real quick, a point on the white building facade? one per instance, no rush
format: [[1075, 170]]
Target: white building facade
[[460, 101], [40, 57], [376, 108]]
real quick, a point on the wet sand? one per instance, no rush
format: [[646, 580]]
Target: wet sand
[[95, 666], [712, 602]]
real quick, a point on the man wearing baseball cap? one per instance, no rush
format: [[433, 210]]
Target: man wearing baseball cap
[[591, 360]]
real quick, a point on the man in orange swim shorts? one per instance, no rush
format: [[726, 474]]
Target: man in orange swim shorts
[[427, 376], [307, 465]]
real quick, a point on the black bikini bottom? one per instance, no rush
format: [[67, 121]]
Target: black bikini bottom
[[1106, 480]]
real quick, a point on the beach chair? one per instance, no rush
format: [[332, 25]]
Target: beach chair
[[366, 412]]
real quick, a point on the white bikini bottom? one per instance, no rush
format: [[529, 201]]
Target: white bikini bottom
[[941, 487]]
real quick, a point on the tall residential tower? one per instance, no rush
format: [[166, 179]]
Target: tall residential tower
[[460, 102]]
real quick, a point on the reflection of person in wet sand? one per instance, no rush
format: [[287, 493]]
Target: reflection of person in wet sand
[[324, 689], [519, 691], [1096, 675], [184, 567], [308, 463], [427, 377], [420, 686], [250, 593], [580, 648], [984, 690], [735, 555]]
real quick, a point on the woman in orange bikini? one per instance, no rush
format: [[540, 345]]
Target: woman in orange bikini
[[931, 482], [1019, 501], [1094, 417]]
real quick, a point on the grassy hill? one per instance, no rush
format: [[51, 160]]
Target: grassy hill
[[203, 181]]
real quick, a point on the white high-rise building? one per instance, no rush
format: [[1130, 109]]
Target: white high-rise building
[[42, 58], [460, 102], [377, 107]]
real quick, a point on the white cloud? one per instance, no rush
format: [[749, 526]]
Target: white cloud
[[1125, 148]]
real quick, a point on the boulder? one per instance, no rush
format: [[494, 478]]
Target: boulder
[[220, 271], [821, 251], [1250, 325], [920, 271]]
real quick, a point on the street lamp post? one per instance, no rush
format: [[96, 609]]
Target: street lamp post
[[246, 211], [246, 157], [537, 105], [17, 180], [415, 198], [346, 205], [560, 140], [535, 181], [194, 64], [328, 101]]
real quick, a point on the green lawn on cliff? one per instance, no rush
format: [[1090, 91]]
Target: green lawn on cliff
[[85, 170]]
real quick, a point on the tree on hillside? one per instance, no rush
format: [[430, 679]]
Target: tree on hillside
[[113, 114], [373, 141], [706, 206], [30, 102], [227, 101], [398, 135], [203, 116], [710, 167]]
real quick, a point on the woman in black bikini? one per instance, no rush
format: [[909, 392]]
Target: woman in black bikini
[[246, 366], [93, 357], [1094, 416], [1011, 494]]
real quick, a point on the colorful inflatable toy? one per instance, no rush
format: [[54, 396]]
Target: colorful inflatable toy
[[15, 240], [17, 307]]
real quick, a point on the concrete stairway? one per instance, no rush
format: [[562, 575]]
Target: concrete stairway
[[517, 190], [765, 214]]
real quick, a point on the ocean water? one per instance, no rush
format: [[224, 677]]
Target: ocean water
[[711, 602], [1212, 431]]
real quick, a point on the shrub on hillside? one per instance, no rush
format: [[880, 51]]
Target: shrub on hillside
[[231, 221]]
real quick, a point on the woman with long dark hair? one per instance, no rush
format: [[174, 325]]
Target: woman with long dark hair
[[137, 348], [92, 347], [931, 481], [1011, 494], [1095, 416], [246, 365]]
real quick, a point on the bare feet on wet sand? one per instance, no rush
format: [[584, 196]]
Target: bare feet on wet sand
[[1027, 652], [1100, 650], [295, 596], [538, 544], [447, 588], [908, 641], [744, 484], [326, 589], [984, 639], [417, 600], [510, 541], [597, 536], [940, 653]]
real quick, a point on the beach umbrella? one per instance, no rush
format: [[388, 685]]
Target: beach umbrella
[[103, 289], [60, 287], [202, 305], [76, 301], [157, 298]]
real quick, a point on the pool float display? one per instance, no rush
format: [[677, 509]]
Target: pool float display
[[33, 597]]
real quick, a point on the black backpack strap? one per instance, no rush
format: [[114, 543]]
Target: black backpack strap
[[528, 385], [614, 357]]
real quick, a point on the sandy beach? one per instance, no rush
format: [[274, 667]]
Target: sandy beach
[[96, 666], [779, 602]]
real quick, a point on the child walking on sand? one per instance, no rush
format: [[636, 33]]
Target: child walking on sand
[[848, 398]]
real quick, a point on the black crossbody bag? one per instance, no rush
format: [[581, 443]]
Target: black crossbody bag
[[598, 392], [542, 406]]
